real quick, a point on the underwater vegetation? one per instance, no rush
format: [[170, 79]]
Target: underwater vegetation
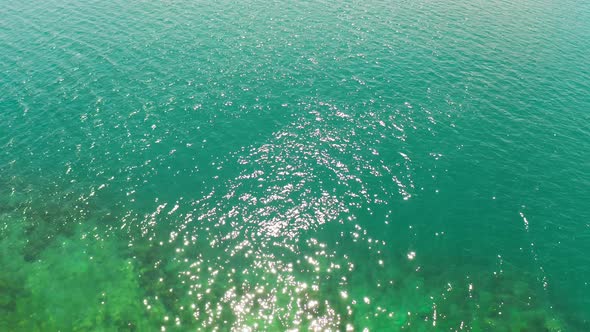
[[60, 271]]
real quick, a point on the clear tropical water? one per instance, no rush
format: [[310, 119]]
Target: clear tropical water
[[312, 165]]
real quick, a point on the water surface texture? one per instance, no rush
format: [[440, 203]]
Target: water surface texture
[[294, 165]]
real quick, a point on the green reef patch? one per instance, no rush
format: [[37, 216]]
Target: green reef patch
[[67, 267]]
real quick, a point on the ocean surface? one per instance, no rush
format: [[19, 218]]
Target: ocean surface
[[295, 165]]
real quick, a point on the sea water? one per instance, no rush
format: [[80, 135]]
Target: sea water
[[294, 165]]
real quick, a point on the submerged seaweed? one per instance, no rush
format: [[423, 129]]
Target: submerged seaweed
[[79, 281]]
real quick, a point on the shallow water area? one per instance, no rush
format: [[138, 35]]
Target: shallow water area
[[270, 166]]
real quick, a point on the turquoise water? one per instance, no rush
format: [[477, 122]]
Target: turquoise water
[[312, 165]]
